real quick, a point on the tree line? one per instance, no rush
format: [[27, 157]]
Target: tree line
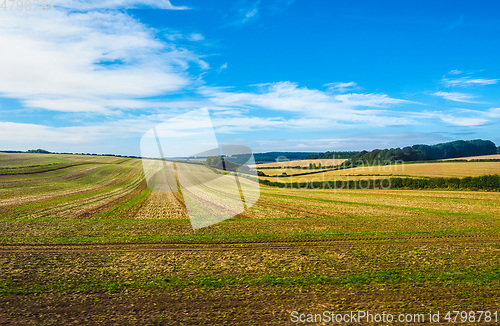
[[221, 163], [454, 149]]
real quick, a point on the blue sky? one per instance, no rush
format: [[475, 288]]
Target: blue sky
[[276, 75]]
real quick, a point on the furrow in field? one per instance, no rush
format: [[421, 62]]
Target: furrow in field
[[75, 208], [100, 178], [61, 182]]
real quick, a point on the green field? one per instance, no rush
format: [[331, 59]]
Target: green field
[[83, 240]]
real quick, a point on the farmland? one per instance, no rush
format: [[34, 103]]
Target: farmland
[[482, 157], [438, 169], [83, 239], [302, 163]]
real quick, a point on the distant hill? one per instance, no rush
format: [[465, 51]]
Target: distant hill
[[454, 149], [280, 156]]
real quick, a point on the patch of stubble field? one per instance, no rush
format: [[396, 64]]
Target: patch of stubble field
[[252, 284]]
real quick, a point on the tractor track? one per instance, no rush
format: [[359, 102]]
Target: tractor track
[[275, 244]]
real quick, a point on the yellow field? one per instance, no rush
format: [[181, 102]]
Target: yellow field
[[451, 169], [273, 172], [483, 157], [302, 163]]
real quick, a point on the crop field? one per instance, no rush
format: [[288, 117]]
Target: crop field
[[302, 163], [483, 157], [83, 240], [438, 169]]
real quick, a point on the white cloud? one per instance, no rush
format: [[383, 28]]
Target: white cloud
[[311, 103], [463, 121], [454, 72], [247, 11], [250, 14], [457, 97], [94, 138], [242, 124], [341, 87], [493, 112], [244, 12], [468, 81], [77, 61], [32, 135], [369, 100], [462, 117], [224, 66], [195, 37]]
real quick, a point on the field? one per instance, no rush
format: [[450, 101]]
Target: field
[[301, 163], [83, 240], [484, 157], [438, 169]]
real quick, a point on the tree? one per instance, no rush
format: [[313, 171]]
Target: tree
[[40, 151]]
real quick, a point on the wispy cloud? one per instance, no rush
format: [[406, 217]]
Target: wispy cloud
[[342, 87], [195, 37], [494, 112], [248, 11], [468, 81], [463, 121], [245, 12], [490, 113], [222, 67], [462, 117], [457, 97]]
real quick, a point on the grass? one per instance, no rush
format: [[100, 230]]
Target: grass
[[457, 276]]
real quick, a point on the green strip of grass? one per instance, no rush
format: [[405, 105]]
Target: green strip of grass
[[464, 275], [104, 239]]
